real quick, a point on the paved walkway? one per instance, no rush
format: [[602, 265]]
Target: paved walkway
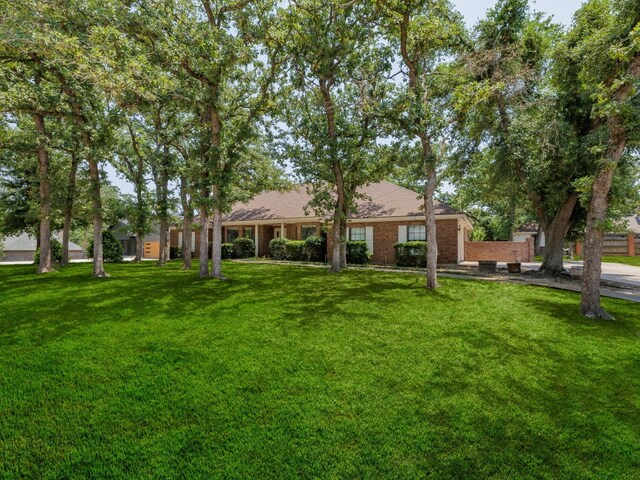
[[612, 272]]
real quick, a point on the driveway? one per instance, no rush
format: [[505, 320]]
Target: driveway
[[613, 272]]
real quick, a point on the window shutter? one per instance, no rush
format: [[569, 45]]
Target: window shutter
[[402, 233], [193, 242], [348, 234], [369, 238], [179, 239]]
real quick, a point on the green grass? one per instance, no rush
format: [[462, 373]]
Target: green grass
[[633, 261], [292, 372]]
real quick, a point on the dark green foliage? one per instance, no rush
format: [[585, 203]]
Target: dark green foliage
[[56, 252], [295, 250], [357, 252], [278, 249], [111, 247], [175, 252], [244, 247], [411, 254], [228, 251], [315, 249]]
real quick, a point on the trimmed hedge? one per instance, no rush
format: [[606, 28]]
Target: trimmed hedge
[[228, 251], [357, 253], [411, 254], [315, 249], [278, 248], [244, 247], [111, 248], [56, 252], [294, 250]]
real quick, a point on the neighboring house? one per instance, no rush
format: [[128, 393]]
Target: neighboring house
[[390, 214], [22, 248], [530, 231], [150, 242]]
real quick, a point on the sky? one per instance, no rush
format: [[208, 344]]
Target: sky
[[561, 10]]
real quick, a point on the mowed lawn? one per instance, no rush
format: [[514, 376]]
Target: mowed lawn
[[292, 372]]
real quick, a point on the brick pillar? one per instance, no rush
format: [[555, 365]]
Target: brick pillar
[[578, 248], [632, 245], [531, 249]]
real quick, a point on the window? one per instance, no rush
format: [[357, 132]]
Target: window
[[357, 234], [248, 232], [416, 232], [232, 234], [308, 231]]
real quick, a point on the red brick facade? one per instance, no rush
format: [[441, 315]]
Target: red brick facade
[[499, 251], [385, 235]]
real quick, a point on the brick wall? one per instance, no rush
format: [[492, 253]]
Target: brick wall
[[385, 236], [499, 251]]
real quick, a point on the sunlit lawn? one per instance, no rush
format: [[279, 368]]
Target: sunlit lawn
[[292, 372]]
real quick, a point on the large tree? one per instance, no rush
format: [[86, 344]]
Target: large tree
[[424, 33], [336, 87], [600, 67]]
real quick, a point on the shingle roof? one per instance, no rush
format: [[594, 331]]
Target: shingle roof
[[528, 228], [27, 243], [384, 199]]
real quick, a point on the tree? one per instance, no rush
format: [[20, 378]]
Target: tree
[[514, 139], [336, 86], [228, 55], [423, 32], [601, 62]]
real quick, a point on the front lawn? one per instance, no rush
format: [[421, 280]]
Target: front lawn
[[292, 372]]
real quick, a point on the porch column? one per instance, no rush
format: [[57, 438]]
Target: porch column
[[256, 240], [282, 232]]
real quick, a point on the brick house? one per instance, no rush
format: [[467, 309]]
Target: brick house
[[390, 214]]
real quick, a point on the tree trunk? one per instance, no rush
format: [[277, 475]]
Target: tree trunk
[[204, 243], [599, 204], [594, 234], [186, 242], [555, 233], [139, 246], [163, 206], [343, 236], [162, 257], [216, 245], [187, 214], [430, 214], [538, 240], [98, 260], [44, 264], [68, 208]]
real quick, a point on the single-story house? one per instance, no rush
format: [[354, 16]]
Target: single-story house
[[390, 214], [22, 248]]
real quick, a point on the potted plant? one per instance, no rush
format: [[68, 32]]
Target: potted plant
[[514, 267]]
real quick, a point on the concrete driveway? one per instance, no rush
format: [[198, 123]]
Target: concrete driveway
[[613, 272]]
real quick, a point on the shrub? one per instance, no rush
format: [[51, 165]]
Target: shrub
[[244, 247], [175, 252], [228, 250], [295, 250], [315, 249], [111, 248], [357, 252], [278, 248], [56, 252], [411, 254]]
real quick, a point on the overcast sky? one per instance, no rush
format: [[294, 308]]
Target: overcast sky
[[561, 10]]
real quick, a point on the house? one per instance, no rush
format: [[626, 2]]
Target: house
[[530, 231], [390, 214], [150, 241], [22, 248]]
